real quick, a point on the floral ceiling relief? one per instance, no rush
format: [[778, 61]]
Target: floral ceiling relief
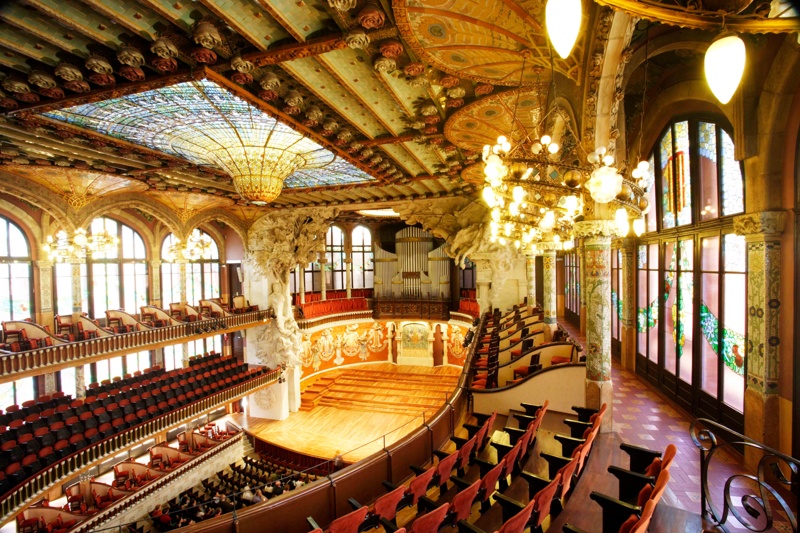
[[486, 40]]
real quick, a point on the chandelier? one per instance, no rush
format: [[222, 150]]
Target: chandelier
[[61, 248], [198, 246]]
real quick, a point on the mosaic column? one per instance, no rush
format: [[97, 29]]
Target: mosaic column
[[182, 280], [530, 263], [50, 383], [77, 296], [80, 381], [323, 278], [597, 287], [155, 282], [348, 278], [761, 405], [581, 249], [627, 296], [46, 292], [549, 296], [301, 275]]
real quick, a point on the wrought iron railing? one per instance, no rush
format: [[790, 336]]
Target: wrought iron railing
[[66, 468], [752, 500], [74, 353]]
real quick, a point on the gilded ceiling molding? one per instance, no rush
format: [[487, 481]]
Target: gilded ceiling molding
[[33, 229], [38, 195], [704, 19], [112, 204], [595, 228], [212, 215]]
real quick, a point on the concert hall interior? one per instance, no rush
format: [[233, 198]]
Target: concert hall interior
[[399, 265]]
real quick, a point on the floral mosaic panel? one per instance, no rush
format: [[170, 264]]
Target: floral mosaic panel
[[598, 305]]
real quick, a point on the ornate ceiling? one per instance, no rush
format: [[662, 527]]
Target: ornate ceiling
[[400, 95]]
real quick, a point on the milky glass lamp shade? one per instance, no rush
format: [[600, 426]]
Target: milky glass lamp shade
[[605, 184], [563, 20], [724, 66]]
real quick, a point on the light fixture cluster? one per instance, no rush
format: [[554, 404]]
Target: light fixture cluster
[[198, 246], [61, 248]]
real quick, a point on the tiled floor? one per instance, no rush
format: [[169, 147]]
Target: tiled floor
[[643, 418]]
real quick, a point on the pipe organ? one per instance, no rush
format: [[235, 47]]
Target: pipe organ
[[416, 271]]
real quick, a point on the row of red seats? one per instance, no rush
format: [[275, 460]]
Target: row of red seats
[[469, 306], [328, 307], [332, 295], [469, 294], [85, 422]]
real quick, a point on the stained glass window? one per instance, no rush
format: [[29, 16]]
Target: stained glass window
[[363, 270], [732, 180], [685, 312], [334, 250], [118, 278], [682, 192], [733, 334], [652, 214], [667, 182], [650, 295], [203, 122], [16, 274], [707, 151], [616, 295]]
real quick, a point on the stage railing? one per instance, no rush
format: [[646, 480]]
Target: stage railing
[[18, 364], [758, 500]]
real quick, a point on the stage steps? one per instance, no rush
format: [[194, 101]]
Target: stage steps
[[313, 393]]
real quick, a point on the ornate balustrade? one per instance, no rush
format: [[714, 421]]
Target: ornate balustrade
[[19, 364], [307, 323], [408, 308], [758, 501], [137, 497], [346, 305], [13, 502]]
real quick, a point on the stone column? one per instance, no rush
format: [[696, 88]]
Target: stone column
[[582, 284], [761, 405], [185, 355], [628, 296], [46, 292], [155, 282], [597, 286], [50, 383], [549, 297], [530, 263], [80, 382], [77, 297], [323, 278], [182, 281], [348, 274], [302, 282]]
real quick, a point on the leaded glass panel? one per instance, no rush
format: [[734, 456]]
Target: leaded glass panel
[[732, 180]]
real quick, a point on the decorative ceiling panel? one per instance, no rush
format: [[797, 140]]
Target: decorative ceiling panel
[[77, 187], [187, 204], [201, 122], [481, 122], [484, 40]]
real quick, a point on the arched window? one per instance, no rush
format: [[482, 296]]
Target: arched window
[[362, 258], [691, 290], [117, 278], [202, 274], [334, 250], [16, 274]]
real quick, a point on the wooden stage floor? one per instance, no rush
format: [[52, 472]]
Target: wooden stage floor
[[358, 410]]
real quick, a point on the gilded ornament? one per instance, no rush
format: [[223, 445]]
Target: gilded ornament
[[643, 203], [291, 110], [103, 80], [16, 86], [625, 193], [330, 126], [374, 160], [204, 55], [456, 92], [163, 48], [448, 81], [357, 39], [572, 178], [355, 146], [482, 89], [55, 93], [313, 113], [29, 98], [366, 152], [344, 135], [454, 103], [207, 35], [429, 109], [270, 81], [242, 78], [418, 124], [42, 79], [131, 73], [385, 64], [431, 130], [68, 72], [433, 119], [130, 56], [293, 98], [165, 64], [99, 64], [268, 95], [414, 69], [342, 5]]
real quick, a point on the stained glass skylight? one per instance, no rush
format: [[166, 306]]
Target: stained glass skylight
[[204, 123]]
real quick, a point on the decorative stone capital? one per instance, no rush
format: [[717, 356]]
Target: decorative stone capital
[[628, 245], [44, 263], [156, 263], [595, 228], [548, 247], [763, 222]]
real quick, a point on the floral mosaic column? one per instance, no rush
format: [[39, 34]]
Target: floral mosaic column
[[301, 276], [597, 288], [348, 275], [155, 281], [581, 249], [182, 280], [628, 298], [761, 407], [530, 263], [80, 381], [77, 296], [323, 261], [549, 282], [45, 315]]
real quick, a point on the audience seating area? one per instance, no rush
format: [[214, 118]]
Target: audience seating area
[[469, 306], [312, 297], [329, 307], [42, 432]]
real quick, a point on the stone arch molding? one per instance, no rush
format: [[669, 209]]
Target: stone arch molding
[[40, 196], [108, 205], [211, 215]]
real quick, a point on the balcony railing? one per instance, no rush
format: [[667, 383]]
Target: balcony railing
[[18, 364], [12, 503]]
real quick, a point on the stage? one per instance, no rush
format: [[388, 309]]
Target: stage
[[356, 411]]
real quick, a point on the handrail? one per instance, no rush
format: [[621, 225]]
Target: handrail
[[65, 468], [30, 362], [307, 323], [526, 378], [702, 432]]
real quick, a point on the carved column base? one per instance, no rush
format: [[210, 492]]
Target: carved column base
[[761, 423], [629, 347], [597, 394], [293, 374]]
